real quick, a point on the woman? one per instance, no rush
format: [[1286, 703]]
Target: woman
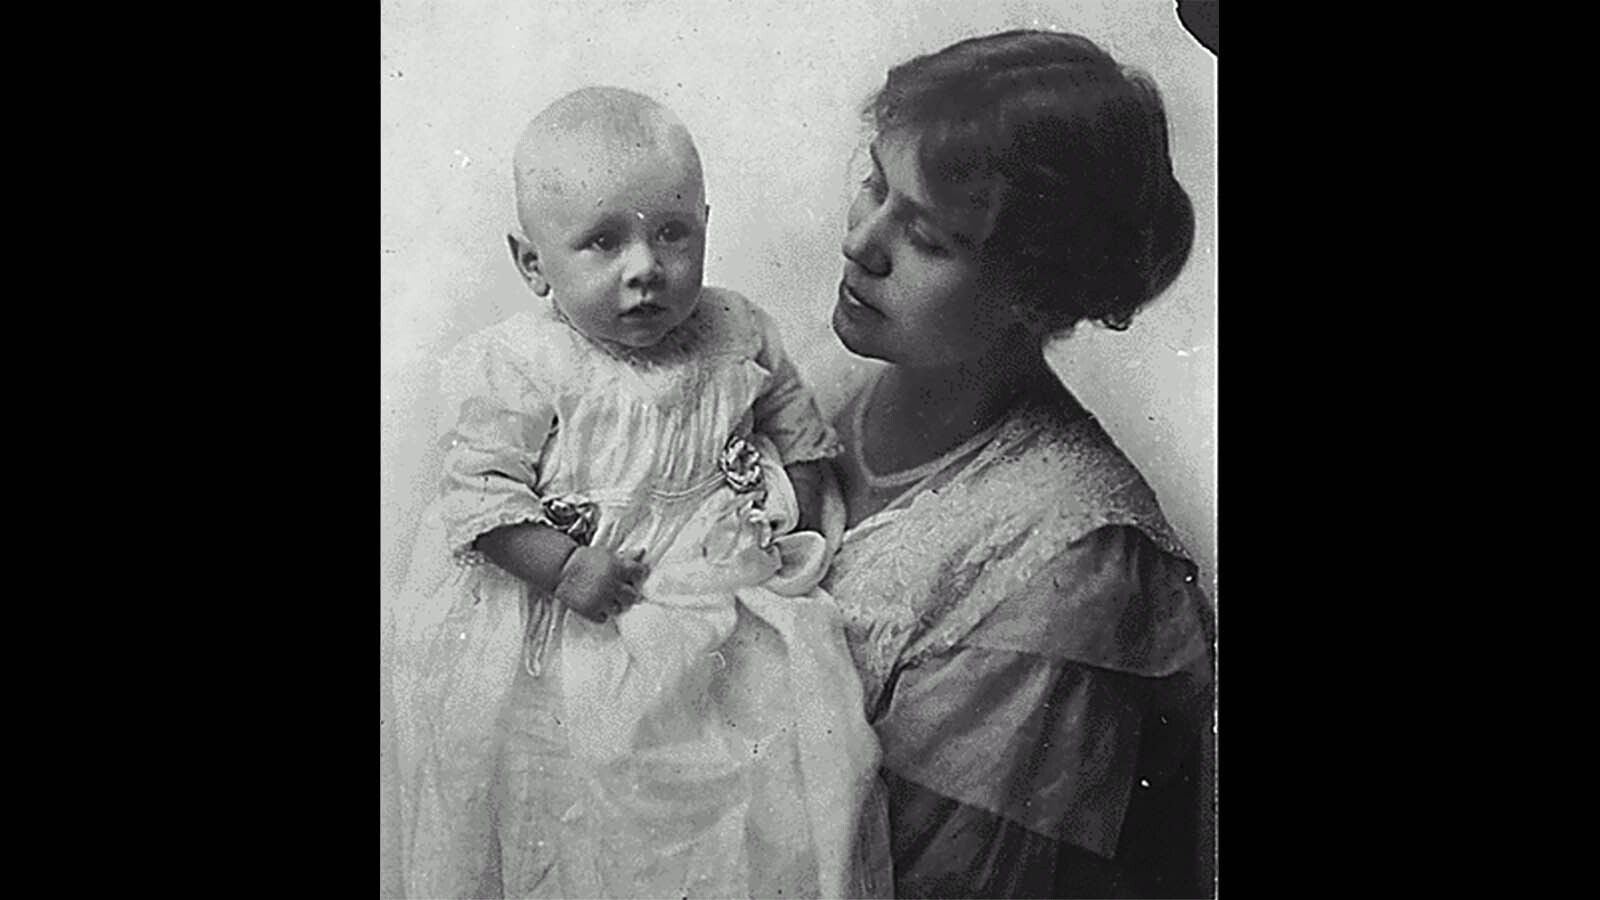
[[1033, 642]]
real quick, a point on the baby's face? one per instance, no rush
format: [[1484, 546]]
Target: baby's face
[[621, 239]]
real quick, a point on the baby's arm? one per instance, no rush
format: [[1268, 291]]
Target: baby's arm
[[590, 581], [490, 501], [788, 415]]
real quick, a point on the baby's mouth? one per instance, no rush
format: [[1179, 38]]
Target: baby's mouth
[[646, 310]]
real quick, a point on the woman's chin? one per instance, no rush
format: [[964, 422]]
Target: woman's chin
[[849, 333]]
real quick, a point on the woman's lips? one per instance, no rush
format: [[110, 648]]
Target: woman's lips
[[852, 301]]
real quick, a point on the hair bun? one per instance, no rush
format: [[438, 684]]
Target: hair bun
[[1171, 237]]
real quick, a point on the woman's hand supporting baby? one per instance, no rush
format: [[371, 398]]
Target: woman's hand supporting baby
[[590, 581], [807, 480]]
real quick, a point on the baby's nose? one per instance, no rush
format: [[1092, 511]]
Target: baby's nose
[[641, 267]]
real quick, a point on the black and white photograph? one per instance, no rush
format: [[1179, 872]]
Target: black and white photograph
[[799, 449]]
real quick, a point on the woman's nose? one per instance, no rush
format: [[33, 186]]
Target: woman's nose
[[863, 247]]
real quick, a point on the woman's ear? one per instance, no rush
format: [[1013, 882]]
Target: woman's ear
[[526, 259]]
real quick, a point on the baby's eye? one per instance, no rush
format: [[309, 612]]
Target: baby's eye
[[672, 232], [604, 242]]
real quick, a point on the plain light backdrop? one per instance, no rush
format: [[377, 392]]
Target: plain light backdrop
[[771, 91]]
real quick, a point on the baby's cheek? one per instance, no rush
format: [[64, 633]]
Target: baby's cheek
[[686, 261]]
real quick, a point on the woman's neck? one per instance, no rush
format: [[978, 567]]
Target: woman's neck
[[918, 413]]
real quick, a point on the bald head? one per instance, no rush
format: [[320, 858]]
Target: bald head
[[579, 144]]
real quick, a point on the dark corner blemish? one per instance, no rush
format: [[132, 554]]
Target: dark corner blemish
[[1199, 18]]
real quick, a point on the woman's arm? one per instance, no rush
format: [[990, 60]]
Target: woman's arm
[[973, 847], [1162, 849], [833, 514], [1052, 715], [944, 848], [807, 480], [1165, 845]]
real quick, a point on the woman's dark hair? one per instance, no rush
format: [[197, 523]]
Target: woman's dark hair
[[1090, 222]]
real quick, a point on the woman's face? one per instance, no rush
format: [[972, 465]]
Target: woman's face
[[912, 292]]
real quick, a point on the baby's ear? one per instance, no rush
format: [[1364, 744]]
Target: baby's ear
[[526, 259]]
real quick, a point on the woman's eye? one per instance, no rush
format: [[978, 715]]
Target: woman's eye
[[672, 232], [605, 243], [875, 187], [928, 245]]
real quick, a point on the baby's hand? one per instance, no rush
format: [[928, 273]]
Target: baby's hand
[[597, 585]]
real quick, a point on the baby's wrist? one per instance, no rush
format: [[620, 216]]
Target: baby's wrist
[[570, 563]]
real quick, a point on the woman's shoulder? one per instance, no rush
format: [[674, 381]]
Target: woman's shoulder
[[1114, 587], [1076, 464], [1113, 599]]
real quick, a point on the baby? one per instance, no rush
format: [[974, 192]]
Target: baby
[[636, 450]]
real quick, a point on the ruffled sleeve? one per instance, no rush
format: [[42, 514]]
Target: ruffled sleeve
[[501, 420], [1023, 757], [786, 412]]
